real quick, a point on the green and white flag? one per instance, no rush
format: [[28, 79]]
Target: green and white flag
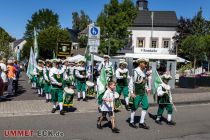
[[36, 49], [156, 82], [31, 64], [102, 82]]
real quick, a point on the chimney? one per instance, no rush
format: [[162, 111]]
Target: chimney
[[142, 5]]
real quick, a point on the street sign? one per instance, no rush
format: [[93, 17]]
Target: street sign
[[94, 32], [93, 42], [94, 49]]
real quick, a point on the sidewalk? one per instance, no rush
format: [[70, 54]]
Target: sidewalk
[[39, 107]]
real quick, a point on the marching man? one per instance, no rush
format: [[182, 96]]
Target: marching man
[[108, 67], [139, 94], [81, 76], [165, 100], [57, 80], [122, 76], [47, 83], [38, 71]]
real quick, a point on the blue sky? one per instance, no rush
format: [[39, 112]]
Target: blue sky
[[15, 13]]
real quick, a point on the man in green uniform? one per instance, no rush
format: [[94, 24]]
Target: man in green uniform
[[139, 94], [57, 79], [165, 100], [47, 83], [81, 76]]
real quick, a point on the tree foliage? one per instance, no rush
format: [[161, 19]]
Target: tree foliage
[[80, 21], [48, 39], [41, 20], [114, 21], [5, 39]]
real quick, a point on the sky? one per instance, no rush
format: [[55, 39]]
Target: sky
[[14, 14]]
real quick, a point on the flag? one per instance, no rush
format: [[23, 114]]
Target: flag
[[87, 53], [36, 49], [31, 64], [156, 82], [102, 82]]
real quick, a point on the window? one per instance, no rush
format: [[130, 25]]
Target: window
[[166, 43], [154, 43], [140, 42]]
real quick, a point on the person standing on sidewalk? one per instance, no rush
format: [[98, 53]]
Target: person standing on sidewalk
[[17, 76], [57, 76], [164, 100], [11, 74], [47, 83], [140, 90]]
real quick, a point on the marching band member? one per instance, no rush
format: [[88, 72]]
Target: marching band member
[[57, 79], [108, 107], [38, 71], [47, 83], [122, 76], [70, 74], [81, 76], [139, 94], [108, 67], [164, 100]]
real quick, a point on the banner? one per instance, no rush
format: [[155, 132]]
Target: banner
[[64, 48]]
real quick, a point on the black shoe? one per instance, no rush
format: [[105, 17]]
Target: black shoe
[[62, 112], [116, 130], [133, 125], [158, 122], [53, 110], [47, 100], [39, 95], [171, 123], [99, 126], [85, 99], [143, 125], [78, 99], [127, 107]]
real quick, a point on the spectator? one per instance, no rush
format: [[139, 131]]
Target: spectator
[[3, 65], [11, 74], [1, 84], [15, 81]]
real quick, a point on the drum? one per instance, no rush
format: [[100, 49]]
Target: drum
[[68, 97], [90, 89], [117, 102]]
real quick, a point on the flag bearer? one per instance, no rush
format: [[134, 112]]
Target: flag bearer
[[164, 100]]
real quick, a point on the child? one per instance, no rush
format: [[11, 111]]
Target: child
[[108, 107], [165, 100]]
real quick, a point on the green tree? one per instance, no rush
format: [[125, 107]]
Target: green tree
[[114, 21], [199, 24], [48, 39], [5, 39], [42, 19], [195, 47], [80, 21]]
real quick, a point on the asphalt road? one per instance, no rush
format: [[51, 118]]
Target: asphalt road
[[192, 124]]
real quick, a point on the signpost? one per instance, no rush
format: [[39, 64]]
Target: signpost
[[93, 42]]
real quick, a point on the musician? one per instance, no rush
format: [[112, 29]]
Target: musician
[[108, 107], [81, 76], [38, 72], [70, 74], [47, 83], [164, 100], [122, 76], [57, 79], [139, 94], [108, 67]]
